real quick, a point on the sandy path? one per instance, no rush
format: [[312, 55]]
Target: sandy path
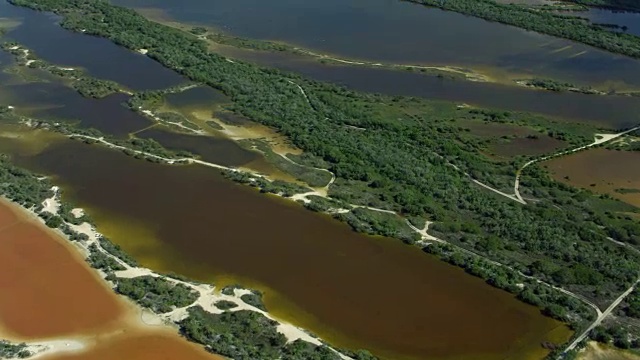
[[471, 76], [599, 139], [601, 317]]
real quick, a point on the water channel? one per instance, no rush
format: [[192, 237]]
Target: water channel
[[353, 290]]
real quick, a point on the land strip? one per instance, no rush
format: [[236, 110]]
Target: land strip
[[86, 86], [545, 22]]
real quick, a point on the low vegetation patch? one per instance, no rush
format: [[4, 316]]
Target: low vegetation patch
[[554, 85], [229, 290], [13, 351], [116, 250], [21, 186], [617, 336], [280, 187], [551, 23], [247, 335], [310, 176], [225, 304], [323, 204], [254, 299], [379, 223], [99, 260], [156, 293]]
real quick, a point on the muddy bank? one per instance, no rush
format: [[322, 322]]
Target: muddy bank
[[135, 344]]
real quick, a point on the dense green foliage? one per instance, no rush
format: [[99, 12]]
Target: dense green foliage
[[554, 85], [247, 335], [116, 250], [94, 88], [21, 186], [402, 153], [254, 299], [13, 351], [156, 293], [323, 204], [564, 26], [99, 260], [379, 223], [272, 187], [52, 221], [225, 304], [245, 43], [64, 211], [230, 289], [616, 336], [633, 307]]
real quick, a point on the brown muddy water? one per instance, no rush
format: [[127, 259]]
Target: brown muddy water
[[603, 171], [510, 148], [47, 289], [50, 292], [142, 345], [353, 290], [507, 140]]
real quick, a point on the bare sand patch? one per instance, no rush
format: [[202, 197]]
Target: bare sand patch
[[279, 143], [596, 351]]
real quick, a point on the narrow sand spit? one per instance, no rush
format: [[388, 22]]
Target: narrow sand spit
[[46, 348], [207, 298]]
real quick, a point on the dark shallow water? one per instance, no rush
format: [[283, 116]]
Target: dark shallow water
[[354, 290], [631, 20], [100, 57], [401, 32], [220, 151], [606, 111]]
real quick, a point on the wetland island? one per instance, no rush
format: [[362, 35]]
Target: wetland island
[[393, 180]]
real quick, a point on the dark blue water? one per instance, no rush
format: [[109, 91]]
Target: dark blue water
[[630, 20], [100, 57], [402, 32]]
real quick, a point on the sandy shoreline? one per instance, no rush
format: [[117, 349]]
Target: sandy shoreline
[[142, 317]]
